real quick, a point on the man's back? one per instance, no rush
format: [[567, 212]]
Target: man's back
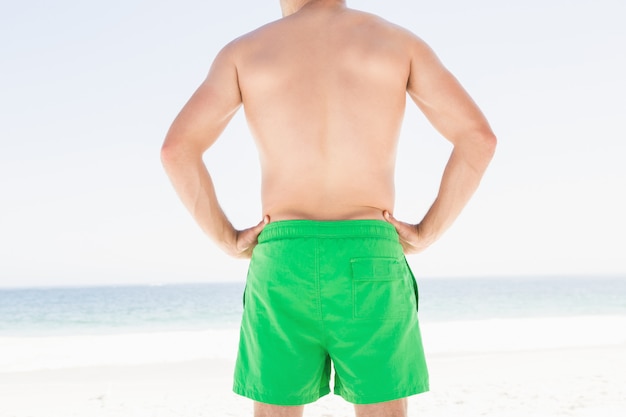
[[324, 93]]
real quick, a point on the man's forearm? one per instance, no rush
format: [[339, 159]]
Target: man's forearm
[[194, 186], [461, 177]]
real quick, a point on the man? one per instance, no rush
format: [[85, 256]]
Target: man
[[324, 92]]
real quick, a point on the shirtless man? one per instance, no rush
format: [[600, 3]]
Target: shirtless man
[[324, 91]]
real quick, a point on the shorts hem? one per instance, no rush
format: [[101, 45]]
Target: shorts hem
[[278, 399], [380, 398]]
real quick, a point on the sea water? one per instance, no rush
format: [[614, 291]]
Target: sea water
[[44, 328], [119, 309]]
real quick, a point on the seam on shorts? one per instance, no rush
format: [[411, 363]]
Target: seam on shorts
[[278, 399], [318, 290], [414, 284], [312, 235], [390, 396], [318, 283]]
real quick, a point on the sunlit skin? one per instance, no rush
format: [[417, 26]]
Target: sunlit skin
[[324, 92]]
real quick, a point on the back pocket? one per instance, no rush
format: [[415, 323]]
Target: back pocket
[[380, 288]]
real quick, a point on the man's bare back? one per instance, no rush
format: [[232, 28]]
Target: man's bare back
[[324, 92]]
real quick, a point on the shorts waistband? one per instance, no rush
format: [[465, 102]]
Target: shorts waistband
[[288, 229]]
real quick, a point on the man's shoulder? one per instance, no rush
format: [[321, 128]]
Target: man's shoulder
[[380, 26], [255, 35], [400, 36], [364, 28]]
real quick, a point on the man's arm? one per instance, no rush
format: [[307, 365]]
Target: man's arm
[[455, 115], [195, 129]]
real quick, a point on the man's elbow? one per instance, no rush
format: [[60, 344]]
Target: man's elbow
[[488, 142], [478, 149], [175, 152], [169, 153]]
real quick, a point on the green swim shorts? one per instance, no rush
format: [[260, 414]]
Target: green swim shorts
[[329, 292]]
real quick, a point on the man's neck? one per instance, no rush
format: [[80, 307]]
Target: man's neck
[[292, 6]]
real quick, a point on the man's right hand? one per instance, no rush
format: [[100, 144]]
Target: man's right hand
[[247, 239], [411, 238]]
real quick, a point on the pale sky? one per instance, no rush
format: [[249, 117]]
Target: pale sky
[[89, 89]]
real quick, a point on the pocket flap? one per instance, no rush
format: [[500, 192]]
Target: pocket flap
[[376, 269]]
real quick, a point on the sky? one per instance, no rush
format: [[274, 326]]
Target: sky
[[89, 89]]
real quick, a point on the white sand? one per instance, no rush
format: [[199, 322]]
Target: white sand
[[576, 382], [535, 367]]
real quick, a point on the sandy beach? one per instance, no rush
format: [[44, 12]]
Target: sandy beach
[[577, 382]]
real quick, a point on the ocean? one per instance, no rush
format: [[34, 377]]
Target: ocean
[[150, 308], [50, 328], [119, 309]]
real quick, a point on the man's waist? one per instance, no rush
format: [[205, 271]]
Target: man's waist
[[356, 228]]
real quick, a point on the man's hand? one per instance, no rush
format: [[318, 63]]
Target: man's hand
[[411, 238], [247, 239]]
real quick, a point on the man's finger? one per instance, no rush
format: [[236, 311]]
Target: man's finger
[[389, 217], [259, 227], [401, 227], [248, 237]]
